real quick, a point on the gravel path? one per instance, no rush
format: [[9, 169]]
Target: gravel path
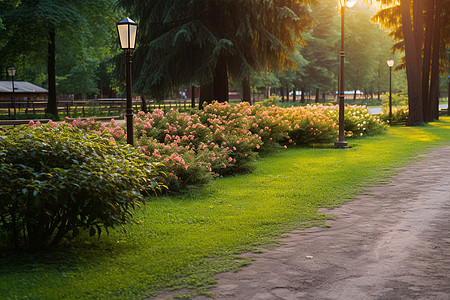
[[391, 243]]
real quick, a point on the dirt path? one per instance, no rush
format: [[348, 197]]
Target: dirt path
[[391, 243]]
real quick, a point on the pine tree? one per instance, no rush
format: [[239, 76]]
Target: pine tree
[[204, 42]]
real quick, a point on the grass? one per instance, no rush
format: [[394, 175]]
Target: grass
[[184, 240]]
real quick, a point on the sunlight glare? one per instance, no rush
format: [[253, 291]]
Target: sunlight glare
[[350, 3]]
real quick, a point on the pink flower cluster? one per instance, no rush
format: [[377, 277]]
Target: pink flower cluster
[[310, 124], [220, 139]]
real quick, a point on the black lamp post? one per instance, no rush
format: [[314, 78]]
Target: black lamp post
[[12, 73], [127, 29], [448, 96], [342, 144], [390, 63]]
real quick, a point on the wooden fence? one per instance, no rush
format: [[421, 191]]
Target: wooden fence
[[110, 106]]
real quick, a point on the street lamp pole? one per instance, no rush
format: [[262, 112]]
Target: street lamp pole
[[129, 110], [448, 96], [12, 73], [390, 63], [342, 144], [127, 35]]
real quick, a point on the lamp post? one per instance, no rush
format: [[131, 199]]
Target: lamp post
[[127, 29], [448, 96], [390, 63], [342, 144], [12, 73]]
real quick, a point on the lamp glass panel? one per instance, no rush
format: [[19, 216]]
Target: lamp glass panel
[[390, 62], [133, 28], [123, 35], [11, 71]]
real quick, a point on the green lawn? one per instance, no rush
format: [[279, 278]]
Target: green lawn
[[184, 240]]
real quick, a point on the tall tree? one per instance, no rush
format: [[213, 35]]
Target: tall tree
[[320, 51], [418, 29], [433, 113], [204, 42], [27, 22]]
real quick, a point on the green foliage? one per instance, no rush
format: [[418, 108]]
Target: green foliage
[[399, 115], [85, 37], [222, 139], [30, 116], [398, 99], [185, 42], [310, 124], [56, 180], [185, 241], [400, 110], [359, 122], [273, 100]]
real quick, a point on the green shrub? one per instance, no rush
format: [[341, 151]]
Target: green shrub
[[399, 115], [273, 100], [398, 100], [56, 180], [358, 121], [310, 125]]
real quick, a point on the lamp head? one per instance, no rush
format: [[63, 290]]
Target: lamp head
[[127, 29], [390, 63], [348, 3], [11, 71]]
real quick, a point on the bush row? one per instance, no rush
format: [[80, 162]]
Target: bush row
[[222, 139], [58, 179]]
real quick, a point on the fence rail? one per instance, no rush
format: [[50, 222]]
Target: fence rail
[[109, 106]]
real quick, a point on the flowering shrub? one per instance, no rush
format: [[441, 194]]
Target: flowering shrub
[[399, 115], [58, 179], [270, 124], [358, 121], [310, 125], [223, 139]]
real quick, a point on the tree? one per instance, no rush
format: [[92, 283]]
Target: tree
[[362, 48], [186, 42], [419, 28], [318, 68], [70, 21], [320, 52]]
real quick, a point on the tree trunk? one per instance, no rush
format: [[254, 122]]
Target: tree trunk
[[417, 22], [354, 95], [426, 63], [294, 94], [302, 96], [434, 88], [143, 104], [193, 96], [246, 94], [52, 106], [220, 83], [282, 93], [206, 94], [317, 95], [412, 55]]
